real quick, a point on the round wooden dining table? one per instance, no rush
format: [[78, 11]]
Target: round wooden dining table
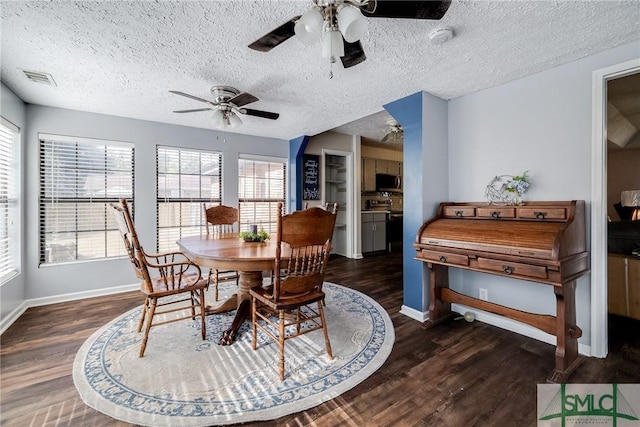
[[225, 251]]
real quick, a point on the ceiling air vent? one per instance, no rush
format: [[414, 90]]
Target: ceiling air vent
[[39, 77]]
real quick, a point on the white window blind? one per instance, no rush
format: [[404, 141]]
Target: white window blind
[[186, 179], [261, 185], [9, 172], [79, 178]]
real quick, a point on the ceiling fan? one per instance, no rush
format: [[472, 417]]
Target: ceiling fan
[[342, 23], [227, 105], [394, 134]]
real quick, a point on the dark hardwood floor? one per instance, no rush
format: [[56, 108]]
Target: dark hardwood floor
[[456, 374]]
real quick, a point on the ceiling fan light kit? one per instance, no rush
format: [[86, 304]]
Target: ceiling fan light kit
[[218, 119], [345, 22], [233, 120], [352, 24], [332, 46], [309, 26]]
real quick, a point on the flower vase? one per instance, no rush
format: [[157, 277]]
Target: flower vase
[[517, 200]]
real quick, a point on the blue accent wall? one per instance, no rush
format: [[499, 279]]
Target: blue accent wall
[[408, 112], [296, 150]]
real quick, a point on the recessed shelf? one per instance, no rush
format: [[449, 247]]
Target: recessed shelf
[[335, 165]]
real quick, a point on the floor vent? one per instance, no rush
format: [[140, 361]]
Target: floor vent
[[39, 77]]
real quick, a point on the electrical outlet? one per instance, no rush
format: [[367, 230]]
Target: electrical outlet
[[484, 294]]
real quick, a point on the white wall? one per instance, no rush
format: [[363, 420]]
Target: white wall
[[89, 276], [12, 293], [541, 123]]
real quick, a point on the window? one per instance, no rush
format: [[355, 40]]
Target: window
[[186, 179], [9, 194], [261, 185], [79, 178]]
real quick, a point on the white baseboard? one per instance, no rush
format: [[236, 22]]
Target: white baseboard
[[12, 317], [37, 302], [500, 322], [420, 316]]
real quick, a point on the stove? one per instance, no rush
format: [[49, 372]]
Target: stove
[[378, 205], [394, 222]]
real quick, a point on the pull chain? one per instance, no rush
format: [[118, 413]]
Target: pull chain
[[331, 61]]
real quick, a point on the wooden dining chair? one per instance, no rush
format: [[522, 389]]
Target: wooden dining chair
[[303, 244], [163, 276], [333, 207], [221, 219]]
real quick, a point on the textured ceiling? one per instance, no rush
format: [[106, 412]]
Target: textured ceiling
[[122, 58]]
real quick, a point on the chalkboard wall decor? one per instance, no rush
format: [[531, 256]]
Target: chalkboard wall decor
[[310, 177]]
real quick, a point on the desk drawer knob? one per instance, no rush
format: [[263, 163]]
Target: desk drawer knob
[[443, 258], [508, 269], [459, 214], [540, 215], [495, 214]]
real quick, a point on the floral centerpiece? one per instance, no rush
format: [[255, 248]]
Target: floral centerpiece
[[254, 236], [518, 186], [508, 189]]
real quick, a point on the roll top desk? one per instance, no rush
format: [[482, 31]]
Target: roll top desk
[[542, 242]]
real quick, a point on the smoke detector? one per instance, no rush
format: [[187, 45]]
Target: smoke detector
[[440, 35]]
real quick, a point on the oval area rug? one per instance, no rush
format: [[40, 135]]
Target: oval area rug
[[183, 380]]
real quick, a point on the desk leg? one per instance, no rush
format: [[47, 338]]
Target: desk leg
[[439, 311], [567, 358], [247, 280]]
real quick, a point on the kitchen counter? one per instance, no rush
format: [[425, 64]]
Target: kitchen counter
[[367, 211]]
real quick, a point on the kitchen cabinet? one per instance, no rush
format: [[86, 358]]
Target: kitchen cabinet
[[390, 167], [623, 285], [374, 231], [371, 166], [368, 174]]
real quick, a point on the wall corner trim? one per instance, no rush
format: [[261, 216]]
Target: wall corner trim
[[420, 316]]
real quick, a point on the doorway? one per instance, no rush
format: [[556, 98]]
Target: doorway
[[599, 311], [338, 185]]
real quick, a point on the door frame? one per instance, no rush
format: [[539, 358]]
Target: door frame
[[350, 203], [599, 323]]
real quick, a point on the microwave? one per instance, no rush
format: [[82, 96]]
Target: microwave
[[389, 183]]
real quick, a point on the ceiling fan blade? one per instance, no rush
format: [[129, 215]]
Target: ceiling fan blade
[[275, 37], [259, 113], [193, 111], [406, 9], [353, 54], [243, 98], [190, 96]]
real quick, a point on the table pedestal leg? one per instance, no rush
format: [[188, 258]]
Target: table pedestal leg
[[247, 280], [227, 304]]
